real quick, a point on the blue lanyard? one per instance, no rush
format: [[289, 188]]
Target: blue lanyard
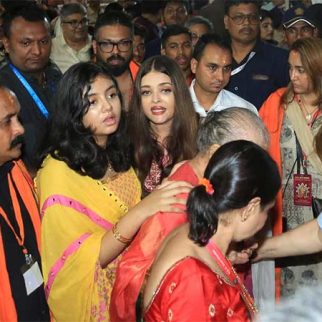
[[32, 93]]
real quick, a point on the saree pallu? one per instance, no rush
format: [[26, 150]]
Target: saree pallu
[[76, 213], [140, 254]]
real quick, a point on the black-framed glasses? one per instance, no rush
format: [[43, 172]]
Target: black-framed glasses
[[75, 23], [108, 46], [240, 19]]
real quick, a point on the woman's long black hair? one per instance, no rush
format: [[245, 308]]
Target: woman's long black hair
[[238, 172], [70, 141]]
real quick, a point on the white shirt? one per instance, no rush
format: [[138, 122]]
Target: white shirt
[[225, 99], [65, 56]]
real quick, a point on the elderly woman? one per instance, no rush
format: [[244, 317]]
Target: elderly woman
[[191, 278]]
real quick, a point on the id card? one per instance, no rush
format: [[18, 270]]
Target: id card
[[302, 188], [32, 276]]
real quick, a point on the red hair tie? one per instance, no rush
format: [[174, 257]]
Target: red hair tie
[[206, 183]]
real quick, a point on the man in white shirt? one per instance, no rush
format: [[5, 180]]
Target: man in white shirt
[[74, 44], [211, 64]]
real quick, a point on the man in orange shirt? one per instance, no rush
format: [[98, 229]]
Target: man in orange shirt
[[22, 296]]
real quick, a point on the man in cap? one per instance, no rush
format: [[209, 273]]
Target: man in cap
[[298, 25]]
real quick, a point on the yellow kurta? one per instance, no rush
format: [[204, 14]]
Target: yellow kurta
[[77, 210]]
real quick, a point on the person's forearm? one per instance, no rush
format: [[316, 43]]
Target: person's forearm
[[305, 239], [162, 199], [111, 247]]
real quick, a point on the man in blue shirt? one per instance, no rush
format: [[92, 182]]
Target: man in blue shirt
[[258, 68]]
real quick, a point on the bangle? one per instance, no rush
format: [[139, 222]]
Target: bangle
[[117, 235]]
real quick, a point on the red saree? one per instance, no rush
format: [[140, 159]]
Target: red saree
[[140, 255]]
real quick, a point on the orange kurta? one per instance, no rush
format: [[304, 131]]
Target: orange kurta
[[272, 114]]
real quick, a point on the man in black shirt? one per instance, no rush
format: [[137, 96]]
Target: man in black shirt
[[29, 73], [22, 295]]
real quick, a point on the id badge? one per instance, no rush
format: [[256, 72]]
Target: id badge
[[302, 188], [32, 276]]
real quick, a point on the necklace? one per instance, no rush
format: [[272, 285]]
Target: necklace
[[228, 269], [109, 175], [308, 116]]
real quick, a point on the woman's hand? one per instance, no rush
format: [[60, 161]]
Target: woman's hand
[[164, 198]]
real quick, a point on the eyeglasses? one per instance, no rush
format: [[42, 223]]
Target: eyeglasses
[[240, 19], [75, 23], [108, 46]]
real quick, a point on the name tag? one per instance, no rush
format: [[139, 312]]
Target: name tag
[[32, 276], [302, 187], [260, 77]]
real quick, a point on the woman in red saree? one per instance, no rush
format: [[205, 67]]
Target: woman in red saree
[[191, 278]]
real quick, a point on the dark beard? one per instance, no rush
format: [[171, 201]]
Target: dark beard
[[115, 70]]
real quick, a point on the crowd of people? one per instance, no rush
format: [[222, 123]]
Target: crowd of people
[[159, 160]]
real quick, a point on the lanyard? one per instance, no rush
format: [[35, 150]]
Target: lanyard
[[31, 92], [17, 211], [300, 158], [240, 68]]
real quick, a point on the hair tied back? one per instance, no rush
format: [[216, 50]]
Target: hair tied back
[[207, 184]]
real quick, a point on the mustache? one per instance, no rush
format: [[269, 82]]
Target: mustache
[[118, 57], [18, 140], [247, 29]]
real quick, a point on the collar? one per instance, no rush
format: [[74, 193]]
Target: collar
[[257, 48], [197, 106]]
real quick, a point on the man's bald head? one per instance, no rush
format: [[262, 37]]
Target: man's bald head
[[11, 130]]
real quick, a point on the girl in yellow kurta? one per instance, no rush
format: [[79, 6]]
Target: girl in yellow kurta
[[88, 192]]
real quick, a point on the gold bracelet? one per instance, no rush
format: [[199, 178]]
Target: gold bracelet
[[117, 235]]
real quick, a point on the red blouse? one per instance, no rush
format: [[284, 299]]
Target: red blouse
[[191, 291]]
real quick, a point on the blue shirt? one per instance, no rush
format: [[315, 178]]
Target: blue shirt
[[262, 74]]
